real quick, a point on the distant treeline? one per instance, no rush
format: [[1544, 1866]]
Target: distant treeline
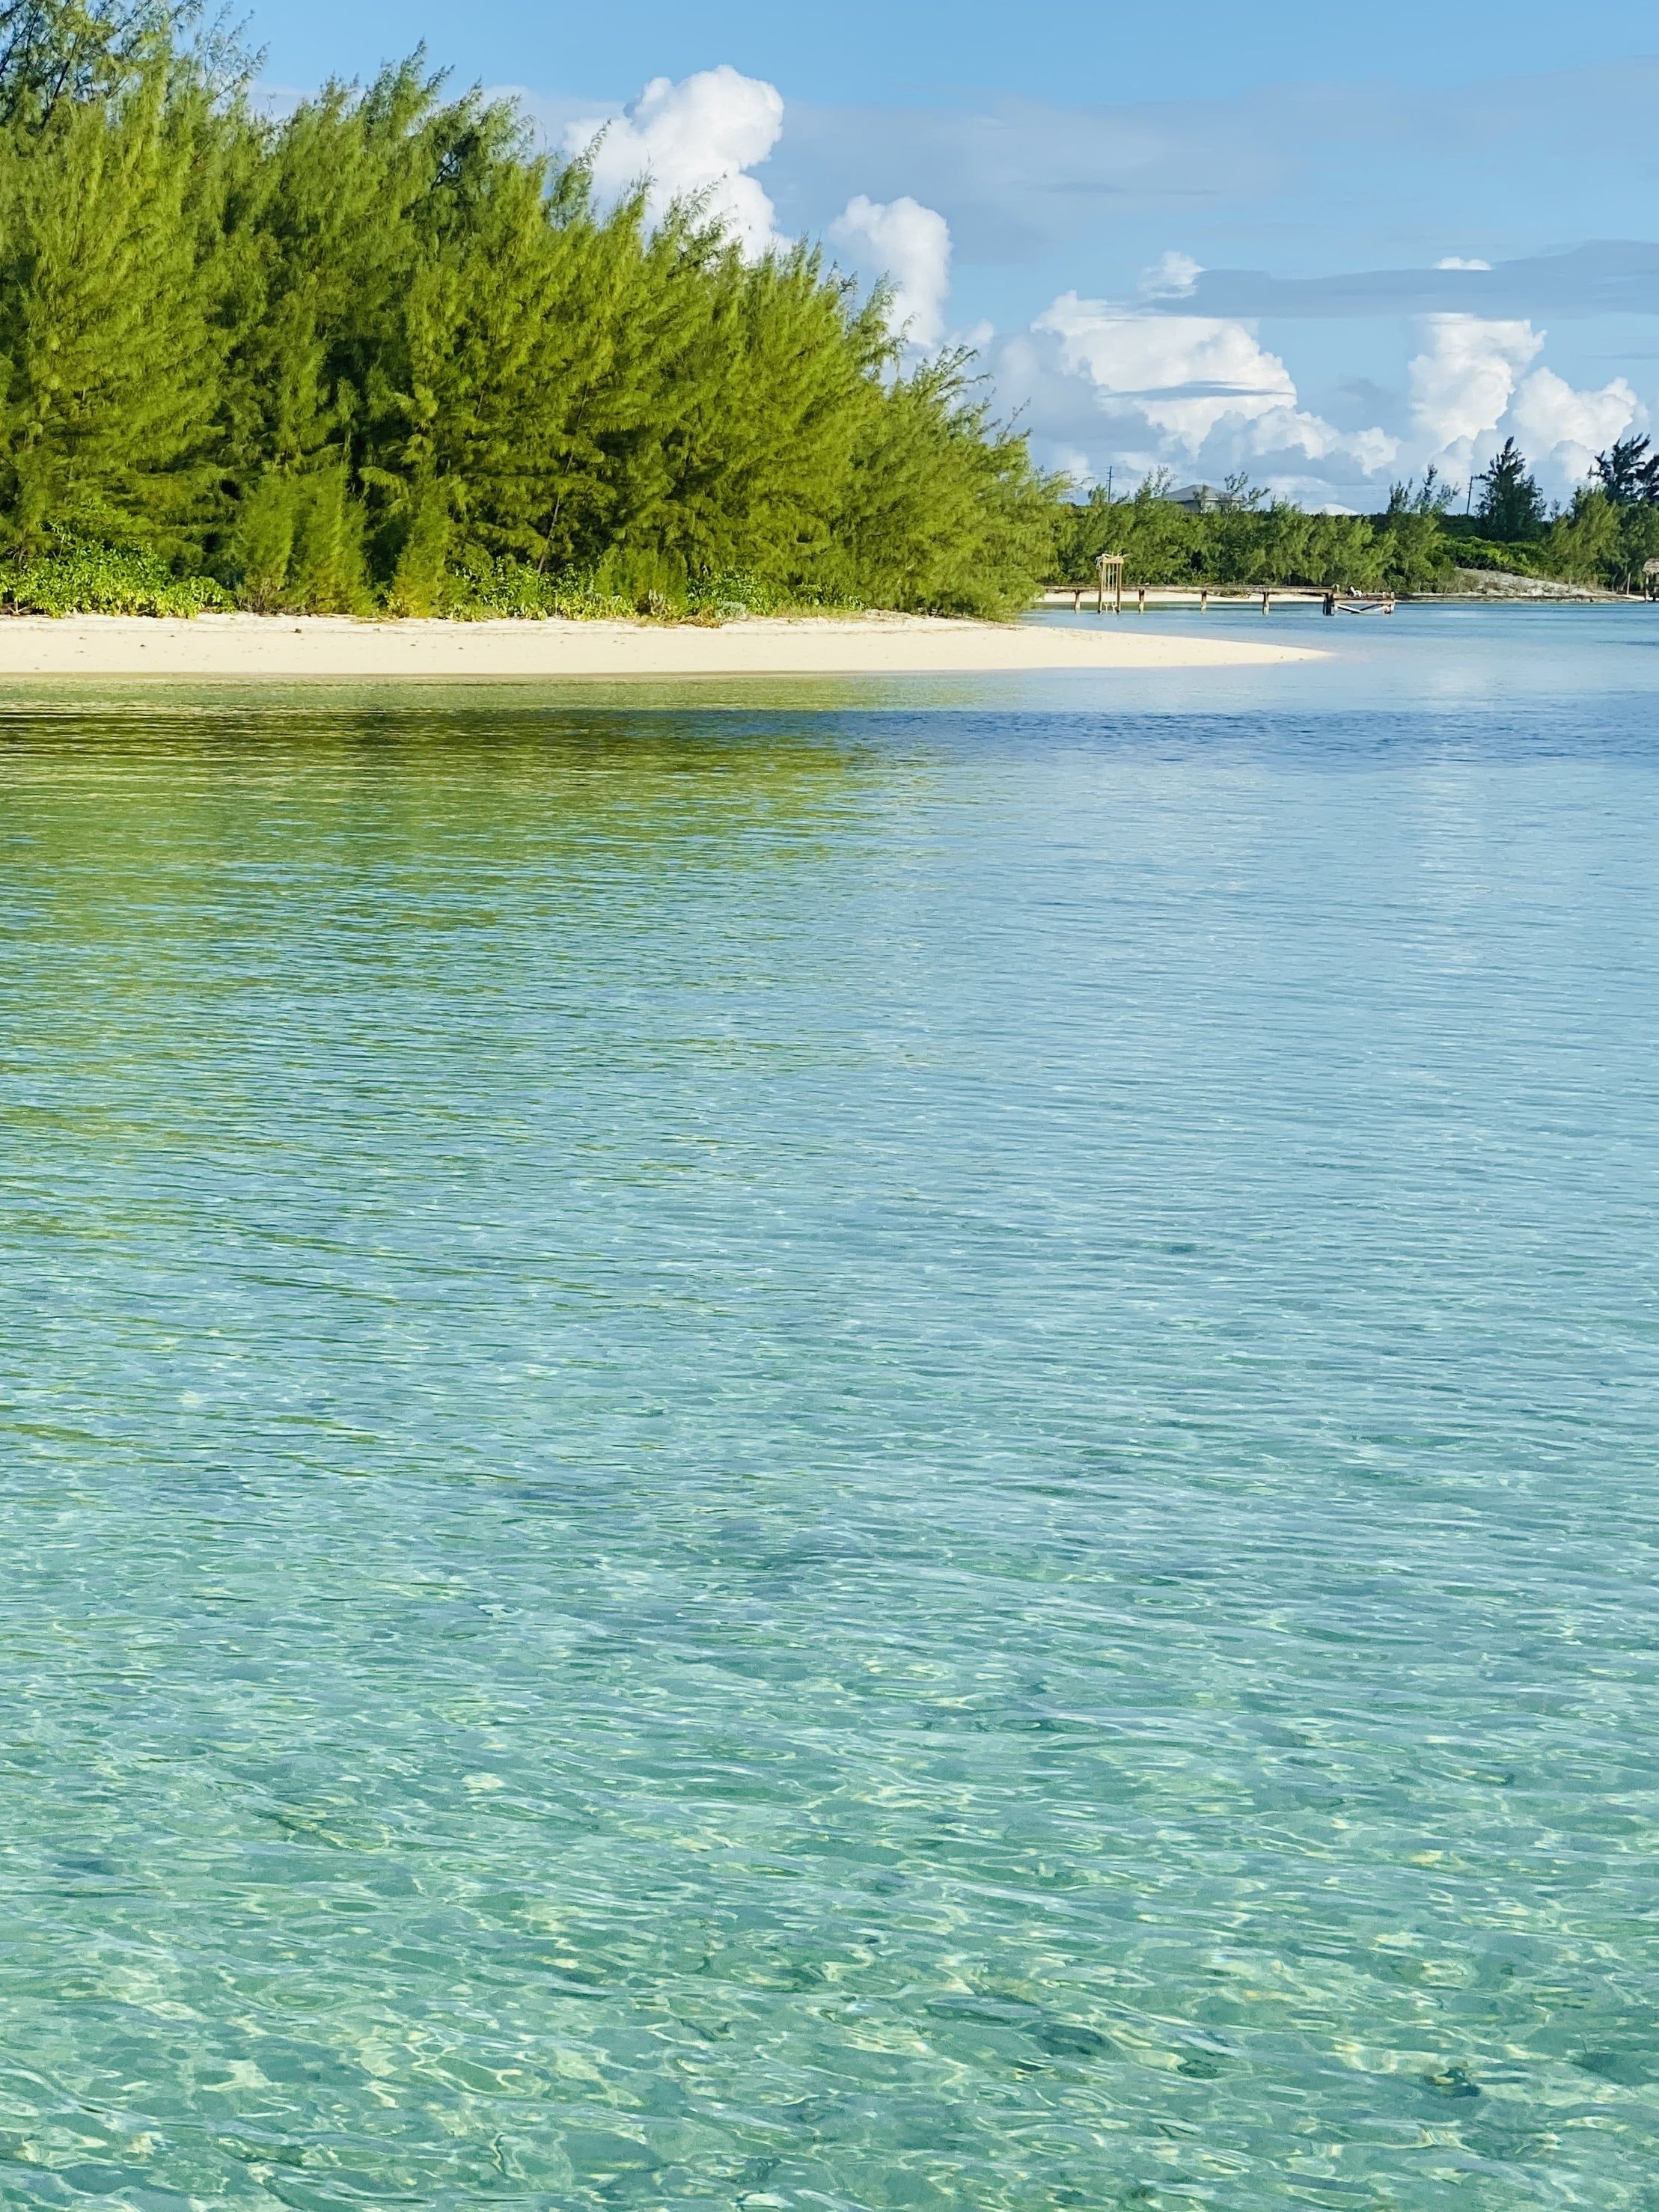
[[382, 355], [1604, 536]]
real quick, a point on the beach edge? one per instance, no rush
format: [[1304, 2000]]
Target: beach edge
[[286, 648]]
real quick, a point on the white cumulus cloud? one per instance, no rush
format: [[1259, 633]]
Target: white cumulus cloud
[[1476, 382], [1375, 450], [1185, 373], [1462, 381], [700, 137], [1138, 387], [911, 244], [1171, 276], [1456, 261], [1562, 429]]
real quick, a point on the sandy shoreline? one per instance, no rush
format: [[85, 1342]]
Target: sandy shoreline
[[243, 646]]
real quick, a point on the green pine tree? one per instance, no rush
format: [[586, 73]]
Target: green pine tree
[[1511, 506]]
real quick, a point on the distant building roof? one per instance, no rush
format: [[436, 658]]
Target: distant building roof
[[1202, 499]]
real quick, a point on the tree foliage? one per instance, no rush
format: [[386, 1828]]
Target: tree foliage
[[1601, 540], [59, 51], [1511, 506], [1163, 544], [382, 354], [1628, 474], [1604, 537]]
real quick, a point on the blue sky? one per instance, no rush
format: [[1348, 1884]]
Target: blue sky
[[1199, 236]]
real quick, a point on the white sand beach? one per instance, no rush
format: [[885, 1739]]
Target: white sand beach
[[289, 647]]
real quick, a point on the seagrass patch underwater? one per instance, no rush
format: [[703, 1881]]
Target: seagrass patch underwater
[[797, 1457]]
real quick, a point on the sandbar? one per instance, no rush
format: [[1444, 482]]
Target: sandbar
[[290, 646]]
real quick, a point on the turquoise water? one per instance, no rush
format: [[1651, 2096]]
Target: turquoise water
[[837, 1446]]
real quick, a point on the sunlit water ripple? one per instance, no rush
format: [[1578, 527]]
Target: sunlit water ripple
[[892, 1452]]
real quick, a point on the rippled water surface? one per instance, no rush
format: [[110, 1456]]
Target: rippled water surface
[[836, 1448]]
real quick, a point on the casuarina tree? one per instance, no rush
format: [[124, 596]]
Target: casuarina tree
[[381, 353], [1511, 505], [1628, 473]]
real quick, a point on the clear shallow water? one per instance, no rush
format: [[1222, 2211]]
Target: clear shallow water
[[891, 1452]]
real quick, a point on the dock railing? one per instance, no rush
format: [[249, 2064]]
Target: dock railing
[[1109, 580]]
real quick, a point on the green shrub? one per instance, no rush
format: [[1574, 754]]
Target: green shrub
[[298, 546], [729, 597], [1496, 559], [77, 579], [479, 587], [485, 587], [488, 588]]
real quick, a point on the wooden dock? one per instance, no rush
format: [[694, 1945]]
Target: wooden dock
[[1108, 586]]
